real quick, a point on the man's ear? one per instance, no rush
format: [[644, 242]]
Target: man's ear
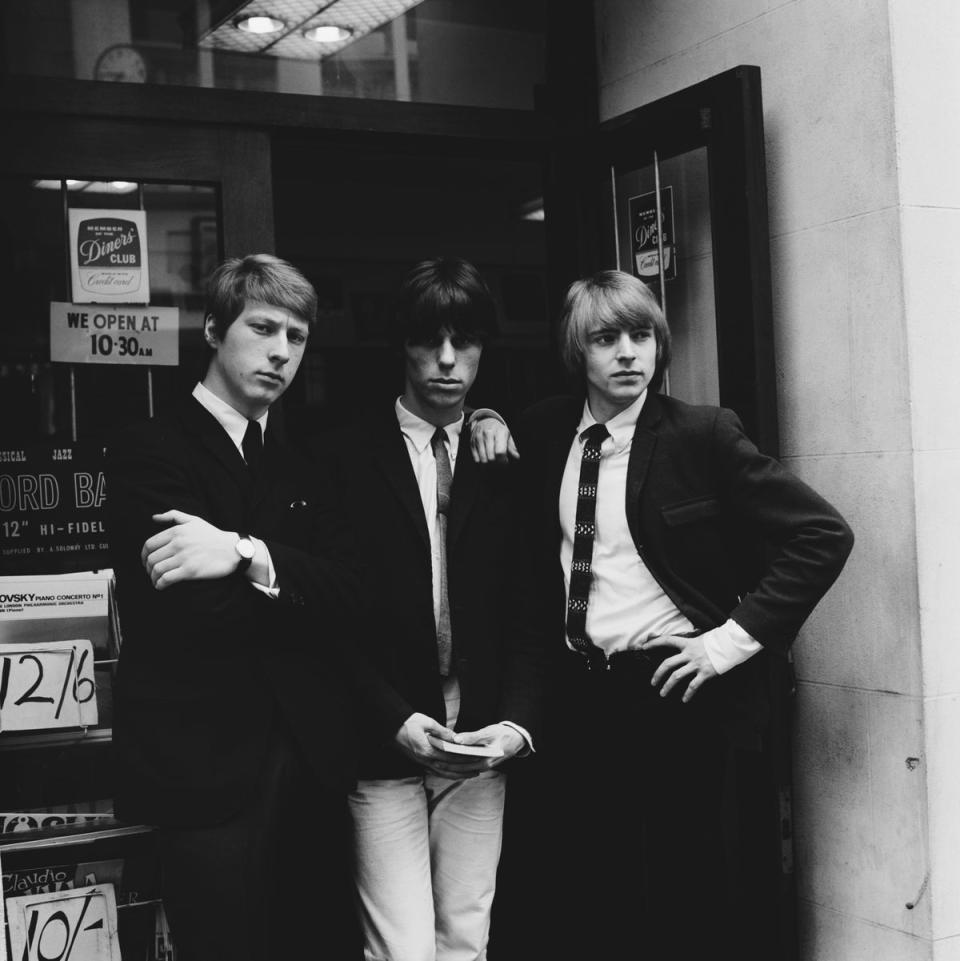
[[210, 331]]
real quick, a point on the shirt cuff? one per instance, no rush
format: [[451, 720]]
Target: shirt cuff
[[525, 734], [270, 588], [482, 413], [729, 645]]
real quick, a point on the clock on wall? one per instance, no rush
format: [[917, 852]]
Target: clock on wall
[[122, 63]]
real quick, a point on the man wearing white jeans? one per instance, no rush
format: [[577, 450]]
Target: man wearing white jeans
[[453, 690], [427, 849]]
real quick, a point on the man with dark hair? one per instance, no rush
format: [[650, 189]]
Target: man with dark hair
[[232, 722], [437, 536], [681, 561]]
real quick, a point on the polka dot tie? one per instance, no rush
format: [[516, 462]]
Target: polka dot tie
[[581, 573]]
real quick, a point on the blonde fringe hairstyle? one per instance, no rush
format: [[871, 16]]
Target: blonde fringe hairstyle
[[615, 300]]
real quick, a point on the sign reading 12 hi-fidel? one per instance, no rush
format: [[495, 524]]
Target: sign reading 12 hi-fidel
[[108, 256], [121, 334]]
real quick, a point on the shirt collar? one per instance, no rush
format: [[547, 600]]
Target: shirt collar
[[621, 426], [230, 419], [421, 432]]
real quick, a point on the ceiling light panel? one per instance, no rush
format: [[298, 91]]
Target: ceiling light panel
[[258, 24], [359, 16]]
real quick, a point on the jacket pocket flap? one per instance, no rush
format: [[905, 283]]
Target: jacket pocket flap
[[690, 511]]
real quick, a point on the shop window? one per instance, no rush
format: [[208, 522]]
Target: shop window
[[487, 53], [104, 285], [63, 403]]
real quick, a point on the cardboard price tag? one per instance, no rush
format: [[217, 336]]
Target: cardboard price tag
[[77, 925], [47, 685]]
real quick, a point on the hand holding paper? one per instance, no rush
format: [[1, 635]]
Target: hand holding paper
[[502, 739]]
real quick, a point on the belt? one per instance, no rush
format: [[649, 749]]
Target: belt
[[620, 662]]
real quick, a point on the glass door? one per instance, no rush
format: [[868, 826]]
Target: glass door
[[648, 233], [682, 184]]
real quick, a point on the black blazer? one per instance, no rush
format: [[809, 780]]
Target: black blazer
[[207, 667], [500, 674], [725, 530]]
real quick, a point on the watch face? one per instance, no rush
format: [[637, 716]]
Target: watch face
[[246, 549], [122, 63]]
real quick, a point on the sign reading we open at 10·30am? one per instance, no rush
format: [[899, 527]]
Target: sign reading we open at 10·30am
[[108, 256], [121, 334]]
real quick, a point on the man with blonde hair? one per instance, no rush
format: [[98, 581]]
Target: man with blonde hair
[[682, 560]]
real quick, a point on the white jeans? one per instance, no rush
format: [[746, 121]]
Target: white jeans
[[427, 850]]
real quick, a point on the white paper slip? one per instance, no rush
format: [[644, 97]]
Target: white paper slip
[[479, 750]]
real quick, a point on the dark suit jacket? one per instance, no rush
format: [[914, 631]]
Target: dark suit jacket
[[207, 667], [725, 530], [500, 676]]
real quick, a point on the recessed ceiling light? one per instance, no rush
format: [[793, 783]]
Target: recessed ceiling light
[[259, 24], [327, 33]]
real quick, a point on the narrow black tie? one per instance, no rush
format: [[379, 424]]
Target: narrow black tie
[[581, 567], [444, 477], [253, 448]]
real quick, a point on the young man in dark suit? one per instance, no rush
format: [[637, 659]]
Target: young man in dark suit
[[233, 725], [681, 561], [438, 539]]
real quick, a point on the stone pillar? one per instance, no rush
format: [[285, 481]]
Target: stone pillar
[[863, 149]]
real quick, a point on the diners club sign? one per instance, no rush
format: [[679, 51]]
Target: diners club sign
[[108, 256]]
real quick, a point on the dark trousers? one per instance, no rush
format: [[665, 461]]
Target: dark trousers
[[617, 840], [272, 882]]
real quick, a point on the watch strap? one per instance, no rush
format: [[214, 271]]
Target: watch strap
[[243, 562]]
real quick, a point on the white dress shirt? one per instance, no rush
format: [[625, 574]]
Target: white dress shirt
[[418, 434], [627, 605], [235, 424]]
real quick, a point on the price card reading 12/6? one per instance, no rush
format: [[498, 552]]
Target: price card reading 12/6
[[77, 925], [47, 685]]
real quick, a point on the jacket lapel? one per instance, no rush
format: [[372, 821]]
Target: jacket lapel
[[198, 421], [274, 463], [556, 451], [389, 451], [641, 451], [466, 484], [214, 439]]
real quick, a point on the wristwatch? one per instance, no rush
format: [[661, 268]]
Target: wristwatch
[[245, 549]]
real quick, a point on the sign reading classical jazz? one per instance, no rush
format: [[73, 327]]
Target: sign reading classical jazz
[[646, 236], [108, 256], [121, 334], [77, 925]]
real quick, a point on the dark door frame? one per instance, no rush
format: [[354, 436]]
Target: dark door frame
[[725, 115]]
